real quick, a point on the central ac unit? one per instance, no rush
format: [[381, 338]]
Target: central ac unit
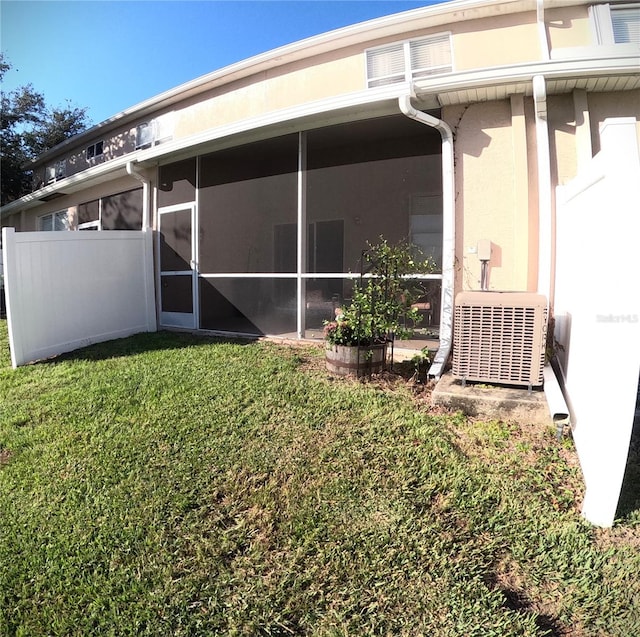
[[499, 337]]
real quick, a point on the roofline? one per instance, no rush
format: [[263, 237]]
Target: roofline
[[386, 26], [332, 107]]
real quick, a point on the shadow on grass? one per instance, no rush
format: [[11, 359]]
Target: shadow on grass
[[517, 600], [629, 503], [145, 342]]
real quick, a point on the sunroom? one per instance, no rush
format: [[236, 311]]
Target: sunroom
[[265, 238]]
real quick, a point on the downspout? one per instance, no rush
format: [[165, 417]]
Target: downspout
[[151, 301], [544, 189], [542, 30], [448, 230], [546, 247], [145, 193]]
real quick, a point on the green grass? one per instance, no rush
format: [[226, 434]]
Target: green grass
[[170, 485]]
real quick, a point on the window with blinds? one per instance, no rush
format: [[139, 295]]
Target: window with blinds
[[625, 22], [616, 24], [413, 59]]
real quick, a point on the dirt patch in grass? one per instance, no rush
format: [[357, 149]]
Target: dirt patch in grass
[[5, 455]]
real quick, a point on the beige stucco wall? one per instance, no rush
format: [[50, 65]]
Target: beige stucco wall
[[494, 182], [565, 122], [568, 27], [604, 105], [480, 43], [327, 76], [503, 40], [499, 41], [562, 131]]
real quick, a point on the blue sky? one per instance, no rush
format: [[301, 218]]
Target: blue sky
[[110, 55]]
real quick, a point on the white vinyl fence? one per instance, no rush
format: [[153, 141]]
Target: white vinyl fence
[[597, 309], [66, 290]]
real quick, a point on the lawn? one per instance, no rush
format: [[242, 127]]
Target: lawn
[[172, 485]]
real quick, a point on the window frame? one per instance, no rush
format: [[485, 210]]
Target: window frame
[[149, 139], [56, 171], [601, 16], [50, 174], [95, 150], [409, 73], [54, 215], [61, 169], [98, 224]]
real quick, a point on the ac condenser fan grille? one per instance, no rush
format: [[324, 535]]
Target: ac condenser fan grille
[[499, 337]]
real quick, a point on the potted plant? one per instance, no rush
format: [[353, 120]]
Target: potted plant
[[381, 309]]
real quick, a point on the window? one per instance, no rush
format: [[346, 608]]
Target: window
[[406, 61], [61, 169], [626, 24], [53, 221], [95, 150], [616, 24], [144, 135], [89, 215], [122, 211], [56, 172], [156, 131]]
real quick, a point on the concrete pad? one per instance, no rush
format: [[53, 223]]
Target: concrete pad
[[492, 402]]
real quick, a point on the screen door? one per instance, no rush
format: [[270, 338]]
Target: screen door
[[177, 267]]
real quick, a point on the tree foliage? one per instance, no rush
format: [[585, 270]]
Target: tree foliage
[[28, 128]]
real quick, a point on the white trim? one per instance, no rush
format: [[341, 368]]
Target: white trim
[[601, 20], [594, 66], [301, 234], [180, 319], [89, 225], [53, 216], [304, 275]]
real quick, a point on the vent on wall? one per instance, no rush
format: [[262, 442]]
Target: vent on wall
[[499, 337]]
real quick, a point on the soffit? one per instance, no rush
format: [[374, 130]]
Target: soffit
[[554, 87]]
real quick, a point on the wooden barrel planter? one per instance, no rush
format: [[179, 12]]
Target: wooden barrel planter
[[351, 360]]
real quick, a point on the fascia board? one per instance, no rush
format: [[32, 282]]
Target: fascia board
[[70, 184]]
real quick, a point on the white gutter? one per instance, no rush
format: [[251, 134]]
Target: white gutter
[[145, 193], [448, 230]]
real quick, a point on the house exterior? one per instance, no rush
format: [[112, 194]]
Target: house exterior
[[449, 125], [474, 128]]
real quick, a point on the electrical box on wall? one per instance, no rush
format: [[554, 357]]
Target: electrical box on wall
[[484, 250]]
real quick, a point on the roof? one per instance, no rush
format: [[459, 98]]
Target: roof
[[395, 24]]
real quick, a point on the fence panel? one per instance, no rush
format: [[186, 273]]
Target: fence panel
[[66, 290], [597, 310]]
